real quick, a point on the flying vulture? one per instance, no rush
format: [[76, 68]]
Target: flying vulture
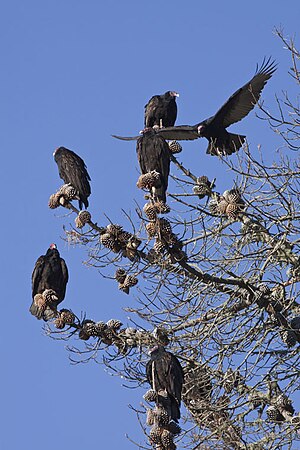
[[72, 169], [165, 375], [234, 109], [50, 274], [161, 110], [153, 154]]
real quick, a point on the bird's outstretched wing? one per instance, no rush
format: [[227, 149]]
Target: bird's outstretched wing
[[126, 138], [245, 98], [176, 133]]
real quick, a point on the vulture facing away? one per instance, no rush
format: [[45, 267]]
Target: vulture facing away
[[234, 109], [165, 375], [72, 169], [50, 273], [161, 110], [153, 154]]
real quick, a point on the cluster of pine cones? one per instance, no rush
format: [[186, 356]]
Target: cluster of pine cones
[[229, 204], [163, 430], [118, 240], [161, 229], [63, 196], [125, 281], [203, 187]]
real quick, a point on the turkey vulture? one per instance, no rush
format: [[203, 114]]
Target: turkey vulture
[[72, 169], [165, 375], [161, 110], [50, 273], [234, 109], [153, 154]]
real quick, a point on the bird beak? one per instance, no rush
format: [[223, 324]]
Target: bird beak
[[175, 94]]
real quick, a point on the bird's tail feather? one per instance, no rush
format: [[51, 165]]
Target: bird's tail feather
[[225, 145]]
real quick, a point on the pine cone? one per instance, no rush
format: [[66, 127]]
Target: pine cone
[[83, 335], [50, 296], [90, 328], [124, 236], [82, 218], [40, 302], [233, 196], [175, 147], [150, 417], [107, 240], [130, 281], [282, 401], [164, 226], [100, 327], [120, 275], [162, 416], [167, 439], [232, 211], [150, 211], [114, 228], [155, 434], [114, 324], [222, 206], [150, 396], [59, 323], [67, 316], [151, 229], [54, 201], [274, 415], [68, 191]]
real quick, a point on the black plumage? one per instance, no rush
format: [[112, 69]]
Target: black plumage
[[72, 169], [50, 272], [161, 110], [153, 154], [165, 375], [234, 109]]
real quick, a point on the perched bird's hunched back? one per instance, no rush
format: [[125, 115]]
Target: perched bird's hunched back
[[161, 110], [72, 169], [165, 374], [49, 282], [153, 154]]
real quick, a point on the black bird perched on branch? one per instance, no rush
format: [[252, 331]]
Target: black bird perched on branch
[[234, 109], [72, 170], [165, 375], [153, 154], [49, 282], [161, 110]]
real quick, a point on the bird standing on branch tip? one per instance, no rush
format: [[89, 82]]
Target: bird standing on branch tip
[[165, 375], [161, 110], [154, 155], [72, 170], [49, 282], [221, 142]]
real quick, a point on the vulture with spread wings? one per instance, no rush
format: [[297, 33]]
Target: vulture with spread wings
[[221, 142], [49, 282], [165, 375], [161, 110], [72, 170]]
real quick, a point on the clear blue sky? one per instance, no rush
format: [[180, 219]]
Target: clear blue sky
[[72, 73]]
